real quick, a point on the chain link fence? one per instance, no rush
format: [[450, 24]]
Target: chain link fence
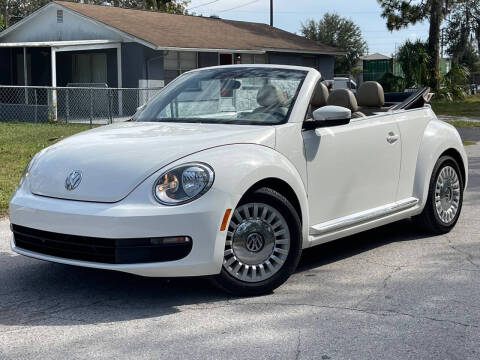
[[87, 105]]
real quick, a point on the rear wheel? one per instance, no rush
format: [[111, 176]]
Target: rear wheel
[[263, 244], [445, 197]]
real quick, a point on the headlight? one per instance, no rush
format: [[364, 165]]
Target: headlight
[[183, 184], [26, 171]]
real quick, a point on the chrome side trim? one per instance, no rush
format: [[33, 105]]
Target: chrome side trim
[[362, 217]]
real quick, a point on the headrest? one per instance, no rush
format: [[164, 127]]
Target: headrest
[[320, 95], [344, 98], [371, 94], [270, 95]]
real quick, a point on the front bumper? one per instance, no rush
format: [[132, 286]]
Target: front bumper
[[130, 218]]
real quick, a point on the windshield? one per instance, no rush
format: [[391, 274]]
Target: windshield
[[248, 95]]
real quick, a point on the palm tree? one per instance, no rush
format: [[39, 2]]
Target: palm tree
[[414, 61]]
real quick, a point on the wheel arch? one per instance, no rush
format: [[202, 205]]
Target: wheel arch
[[280, 186], [458, 158]]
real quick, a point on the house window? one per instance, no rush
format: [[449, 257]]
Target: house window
[[178, 62], [260, 59], [89, 68], [254, 59], [247, 58], [59, 16]]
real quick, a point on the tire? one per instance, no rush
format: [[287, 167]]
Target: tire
[[433, 219], [263, 244]]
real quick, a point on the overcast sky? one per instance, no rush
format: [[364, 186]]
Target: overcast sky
[[289, 14]]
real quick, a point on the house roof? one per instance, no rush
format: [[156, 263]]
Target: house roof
[[375, 56], [163, 30]]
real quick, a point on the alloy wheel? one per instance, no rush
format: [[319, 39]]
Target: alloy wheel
[[447, 194], [257, 244]]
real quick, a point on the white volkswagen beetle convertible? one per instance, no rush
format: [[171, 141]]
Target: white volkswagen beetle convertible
[[231, 171]]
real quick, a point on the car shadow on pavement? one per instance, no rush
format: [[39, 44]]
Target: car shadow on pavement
[[37, 293], [327, 253]]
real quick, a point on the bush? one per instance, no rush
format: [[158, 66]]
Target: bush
[[455, 84], [392, 83], [414, 60]]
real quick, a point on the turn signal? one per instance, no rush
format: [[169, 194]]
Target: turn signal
[[225, 219]]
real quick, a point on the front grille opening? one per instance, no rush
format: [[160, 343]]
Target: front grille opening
[[100, 250]]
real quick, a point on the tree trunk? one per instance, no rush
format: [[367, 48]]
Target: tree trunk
[[477, 34], [465, 30], [5, 14], [434, 44]]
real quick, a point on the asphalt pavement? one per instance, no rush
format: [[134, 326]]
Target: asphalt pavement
[[389, 293]]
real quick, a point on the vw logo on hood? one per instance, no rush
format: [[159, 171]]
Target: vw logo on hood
[[73, 180]]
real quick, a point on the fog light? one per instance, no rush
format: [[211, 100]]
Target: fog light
[[170, 240]]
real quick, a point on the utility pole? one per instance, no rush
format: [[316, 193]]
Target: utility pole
[[271, 12]]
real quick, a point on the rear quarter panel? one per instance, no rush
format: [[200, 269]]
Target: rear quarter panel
[[438, 137]]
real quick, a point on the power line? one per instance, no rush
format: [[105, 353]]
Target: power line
[[300, 12], [240, 6], [207, 3]]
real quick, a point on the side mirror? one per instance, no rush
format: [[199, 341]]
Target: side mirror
[[329, 116], [332, 112], [140, 108]]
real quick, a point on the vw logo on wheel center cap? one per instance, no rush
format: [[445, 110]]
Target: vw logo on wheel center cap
[[254, 242], [73, 180]]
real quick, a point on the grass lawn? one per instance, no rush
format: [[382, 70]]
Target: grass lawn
[[460, 123], [18, 143], [470, 107]]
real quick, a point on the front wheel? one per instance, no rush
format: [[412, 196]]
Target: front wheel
[[263, 244], [445, 197]]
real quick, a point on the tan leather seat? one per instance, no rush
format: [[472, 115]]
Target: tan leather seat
[[320, 96], [346, 99], [271, 99], [371, 98]]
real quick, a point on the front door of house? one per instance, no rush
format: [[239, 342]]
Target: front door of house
[[225, 59]]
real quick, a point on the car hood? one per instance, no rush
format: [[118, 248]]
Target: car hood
[[114, 159]]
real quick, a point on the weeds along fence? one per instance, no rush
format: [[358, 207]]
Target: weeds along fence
[[82, 105]]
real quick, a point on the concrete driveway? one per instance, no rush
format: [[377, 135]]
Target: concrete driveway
[[390, 293]]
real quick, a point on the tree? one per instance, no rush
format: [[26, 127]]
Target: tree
[[339, 32], [175, 7], [401, 13], [414, 60], [392, 83], [461, 28], [2, 22]]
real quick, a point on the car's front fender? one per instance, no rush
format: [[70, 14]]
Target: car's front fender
[[240, 166]]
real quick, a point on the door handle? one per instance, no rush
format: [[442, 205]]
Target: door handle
[[392, 137]]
